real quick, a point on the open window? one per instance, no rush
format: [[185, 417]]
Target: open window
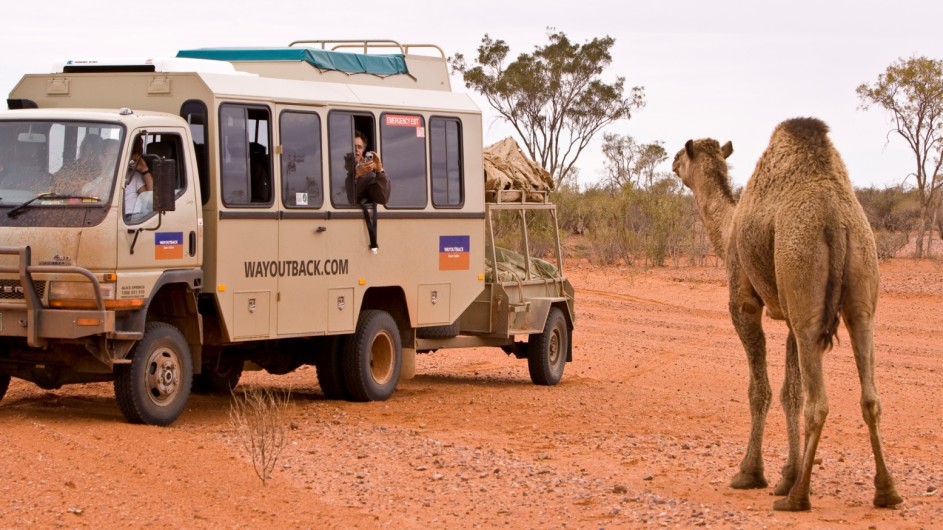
[[245, 155], [342, 127], [163, 154], [196, 115]]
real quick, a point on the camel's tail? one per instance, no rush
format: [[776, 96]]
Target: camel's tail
[[835, 287]]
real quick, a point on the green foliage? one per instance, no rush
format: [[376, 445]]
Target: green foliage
[[630, 164], [890, 209], [554, 98], [912, 91], [661, 225]]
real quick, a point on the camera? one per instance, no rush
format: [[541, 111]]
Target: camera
[[369, 155]]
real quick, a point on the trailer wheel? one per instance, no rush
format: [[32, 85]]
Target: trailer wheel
[[546, 351], [153, 389], [4, 384], [221, 375], [373, 357], [331, 371]]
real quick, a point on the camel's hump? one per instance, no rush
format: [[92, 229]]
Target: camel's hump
[[804, 127]]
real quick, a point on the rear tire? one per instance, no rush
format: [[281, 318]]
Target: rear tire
[[547, 351], [4, 385], [153, 389], [373, 357], [330, 370]]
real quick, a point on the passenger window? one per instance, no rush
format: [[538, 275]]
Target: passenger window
[[403, 151], [245, 155], [445, 145], [195, 113], [341, 127], [301, 160]]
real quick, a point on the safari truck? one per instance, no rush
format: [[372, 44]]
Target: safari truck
[[247, 250]]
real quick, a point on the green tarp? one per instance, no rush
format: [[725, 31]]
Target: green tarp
[[351, 63]]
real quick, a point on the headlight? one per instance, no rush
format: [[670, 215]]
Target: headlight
[[81, 295]]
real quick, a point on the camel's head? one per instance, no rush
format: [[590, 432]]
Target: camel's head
[[695, 153]]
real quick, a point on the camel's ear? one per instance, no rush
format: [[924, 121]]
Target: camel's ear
[[727, 149], [689, 149]]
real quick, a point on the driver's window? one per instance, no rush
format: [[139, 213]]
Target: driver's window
[[154, 158]]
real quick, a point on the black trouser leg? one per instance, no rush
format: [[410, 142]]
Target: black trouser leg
[[370, 218]]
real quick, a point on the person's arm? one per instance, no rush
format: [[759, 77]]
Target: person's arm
[[148, 182], [141, 167]]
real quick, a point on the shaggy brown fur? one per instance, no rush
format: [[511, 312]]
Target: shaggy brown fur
[[798, 244]]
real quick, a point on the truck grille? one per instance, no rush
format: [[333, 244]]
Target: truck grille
[[12, 289]]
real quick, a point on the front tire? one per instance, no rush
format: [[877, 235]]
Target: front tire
[[373, 357], [547, 351], [153, 389]]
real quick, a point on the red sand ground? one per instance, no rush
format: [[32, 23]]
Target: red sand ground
[[646, 429]]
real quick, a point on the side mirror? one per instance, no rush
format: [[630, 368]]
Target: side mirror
[[164, 171]]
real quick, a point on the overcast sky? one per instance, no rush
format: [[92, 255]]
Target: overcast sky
[[725, 69]]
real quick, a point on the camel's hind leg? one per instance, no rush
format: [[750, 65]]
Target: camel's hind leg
[[816, 410], [791, 399], [746, 312], [861, 328]]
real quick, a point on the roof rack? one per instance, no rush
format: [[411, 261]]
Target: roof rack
[[367, 44]]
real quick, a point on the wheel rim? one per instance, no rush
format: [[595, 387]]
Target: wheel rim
[[382, 355], [162, 378], [553, 348]]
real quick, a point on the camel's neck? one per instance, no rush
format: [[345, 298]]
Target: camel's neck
[[717, 208]]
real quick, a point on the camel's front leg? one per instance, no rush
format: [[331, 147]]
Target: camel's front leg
[[746, 312]]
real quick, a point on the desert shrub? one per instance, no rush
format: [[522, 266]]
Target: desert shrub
[[262, 422], [893, 209], [889, 243]]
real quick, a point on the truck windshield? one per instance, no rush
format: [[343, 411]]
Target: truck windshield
[[49, 163]]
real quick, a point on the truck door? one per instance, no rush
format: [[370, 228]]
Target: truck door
[[246, 246], [150, 243], [302, 238]]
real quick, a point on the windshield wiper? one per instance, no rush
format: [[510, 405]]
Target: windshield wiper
[[47, 195]]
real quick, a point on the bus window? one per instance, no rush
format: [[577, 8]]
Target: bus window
[[341, 127], [403, 150], [245, 161], [445, 144], [301, 160], [194, 112]]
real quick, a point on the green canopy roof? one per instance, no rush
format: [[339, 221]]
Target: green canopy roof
[[352, 63]]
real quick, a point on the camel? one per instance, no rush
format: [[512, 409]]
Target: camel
[[797, 243]]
